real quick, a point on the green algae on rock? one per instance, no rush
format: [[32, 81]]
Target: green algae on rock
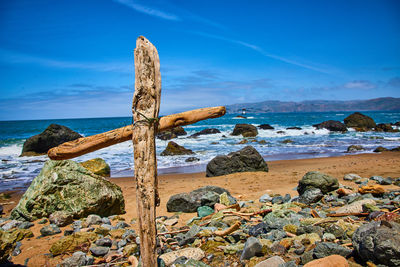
[[72, 243], [67, 186]]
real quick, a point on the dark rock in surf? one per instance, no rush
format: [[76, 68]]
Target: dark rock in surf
[[53, 136]]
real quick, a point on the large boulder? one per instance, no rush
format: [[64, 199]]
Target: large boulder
[[206, 131], [67, 186], [245, 160], [359, 121], [98, 166], [379, 242], [173, 149], [53, 136], [334, 126], [204, 196], [246, 130], [319, 180], [171, 133]]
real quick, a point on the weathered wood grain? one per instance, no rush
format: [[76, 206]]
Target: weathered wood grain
[[146, 104], [92, 143]]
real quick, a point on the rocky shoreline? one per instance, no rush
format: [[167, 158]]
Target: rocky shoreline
[[327, 221]]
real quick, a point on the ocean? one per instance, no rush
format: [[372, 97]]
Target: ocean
[[17, 172]]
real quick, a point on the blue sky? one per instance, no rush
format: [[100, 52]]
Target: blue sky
[[70, 59]]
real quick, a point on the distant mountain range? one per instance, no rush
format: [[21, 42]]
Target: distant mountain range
[[377, 104]]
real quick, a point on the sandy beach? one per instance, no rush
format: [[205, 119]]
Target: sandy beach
[[282, 178]]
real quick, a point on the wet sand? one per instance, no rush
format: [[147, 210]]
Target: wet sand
[[282, 178]]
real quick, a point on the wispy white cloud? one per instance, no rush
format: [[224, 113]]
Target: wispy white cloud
[[12, 57], [148, 10], [263, 52], [360, 84]]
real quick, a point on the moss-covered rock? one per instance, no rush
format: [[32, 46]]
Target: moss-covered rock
[[73, 243], [97, 166], [67, 186], [8, 241]]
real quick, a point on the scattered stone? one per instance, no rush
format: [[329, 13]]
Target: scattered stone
[[11, 224], [318, 180], [8, 241], [245, 160], [42, 221], [355, 148], [380, 149], [246, 130], [204, 211], [355, 207], [70, 243], [171, 222], [204, 196], [79, 258], [330, 261], [375, 190], [359, 122], [25, 225], [93, 219], [192, 253], [252, 247], [121, 225], [192, 159], [351, 177], [265, 198], [274, 261], [266, 127], [173, 149], [104, 242], [87, 193], [51, 229], [171, 133], [325, 249], [379, 242], [60, 218], [99, 251], [311, 195], [206, 132], [53, 136], [130, 249], [334, 126], [98, 166]]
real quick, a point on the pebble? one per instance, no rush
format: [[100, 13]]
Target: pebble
[[104, 242], [51, 229], [99, 251], [274, 261], [94, 219]]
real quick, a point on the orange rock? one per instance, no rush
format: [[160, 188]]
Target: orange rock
[[344, 192], [286, 242], [330, 261], [218, 207], [373, 189]]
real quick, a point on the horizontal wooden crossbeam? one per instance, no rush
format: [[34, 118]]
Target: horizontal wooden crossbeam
[[92, 143]]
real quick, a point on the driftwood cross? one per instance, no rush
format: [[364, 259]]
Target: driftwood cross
[[145, 109]]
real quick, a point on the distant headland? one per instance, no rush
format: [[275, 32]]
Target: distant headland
[[376, 104]]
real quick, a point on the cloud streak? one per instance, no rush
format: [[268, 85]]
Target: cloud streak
[[262, 52], [11, 57], [148, 10]]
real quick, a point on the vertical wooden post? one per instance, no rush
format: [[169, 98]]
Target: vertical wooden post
[[145, 108]]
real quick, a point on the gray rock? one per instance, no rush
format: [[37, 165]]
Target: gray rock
[[25, 225], [356, 206], [84, 193], [51, 229], [122, 243], [43, 221], [104, 242], [351, 177], [318, 180], [94, 219], [79, 258], [328, 237], [245, 160], [386, 181], [252, 247], [256, 230], [311, 195], [325, 249], [274, 261], [17, 249], [204, 196], [265, 198], [106, 220], [99, 251], [206, 132], [189, 237], [355, 148], [11, 224], [307, 257], [60, 218], [379, 242], [121, 225]]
